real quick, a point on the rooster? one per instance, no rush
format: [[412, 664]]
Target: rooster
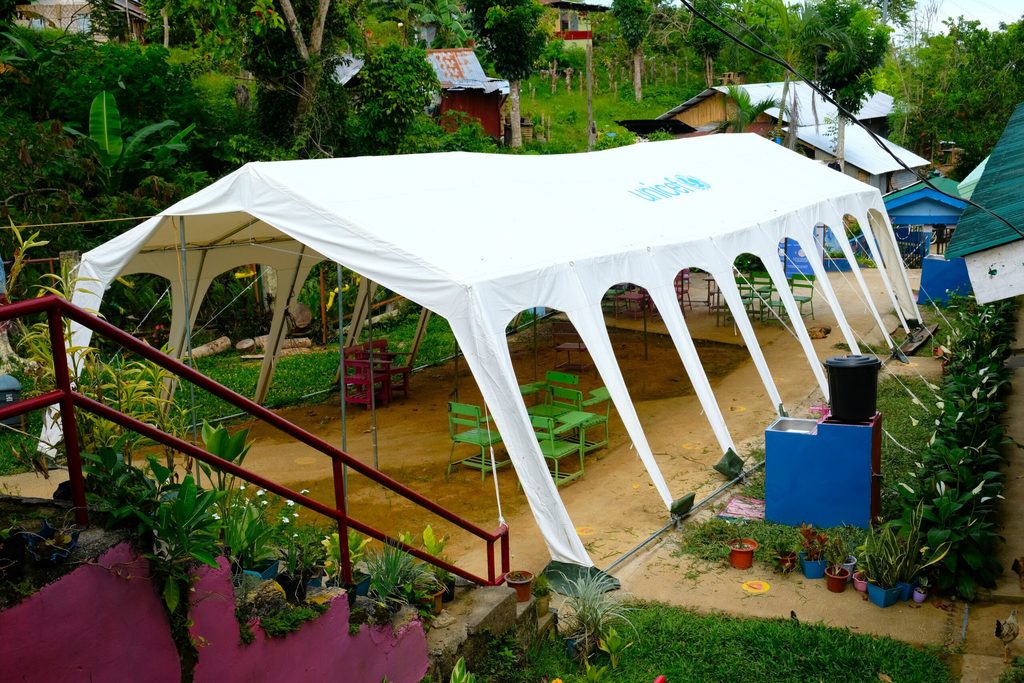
[[1007, 631]]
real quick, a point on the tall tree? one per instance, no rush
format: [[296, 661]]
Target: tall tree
[[634, 17], [706, 39], [510, 30], [846, 69]]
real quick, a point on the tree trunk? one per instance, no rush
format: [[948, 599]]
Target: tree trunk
[[786, 116], [638, 66], [310, 84], [167, 27], [554, 77], [709, 70], [591, 128], [841, 145], [513, 114]]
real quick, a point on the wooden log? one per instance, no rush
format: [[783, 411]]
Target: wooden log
[[218, 345], [300, 315], [245, 345], [290, 343]]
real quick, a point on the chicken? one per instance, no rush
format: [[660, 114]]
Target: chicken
[[1018, 569], [1007, 631]]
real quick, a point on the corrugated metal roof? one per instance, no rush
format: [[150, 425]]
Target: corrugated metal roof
[[945, 184], [1001, 189], [967, 185], [459, 69], [808, 104], [861, 150]]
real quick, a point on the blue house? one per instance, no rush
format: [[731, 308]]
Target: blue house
[[920, 205]]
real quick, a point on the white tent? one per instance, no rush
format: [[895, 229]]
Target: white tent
[[478, 238]]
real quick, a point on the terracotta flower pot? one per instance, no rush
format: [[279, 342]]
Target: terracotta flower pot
[[436, 601], [522, 581], [786, 562], [835, 579], [741, 552]]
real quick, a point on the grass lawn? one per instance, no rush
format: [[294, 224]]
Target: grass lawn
[[684, 646]]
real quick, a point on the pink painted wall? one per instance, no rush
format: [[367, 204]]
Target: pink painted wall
[[104, 622]]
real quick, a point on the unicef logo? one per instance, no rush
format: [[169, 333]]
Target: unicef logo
[[674, 186]]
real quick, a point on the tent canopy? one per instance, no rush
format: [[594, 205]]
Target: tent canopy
[[478, 238]]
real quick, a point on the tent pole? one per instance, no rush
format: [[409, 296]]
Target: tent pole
[[341, 385], [536, 369], [188, 333], [643, 306], [373, 387]]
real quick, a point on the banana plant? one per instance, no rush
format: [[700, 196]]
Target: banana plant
[[119, 156]]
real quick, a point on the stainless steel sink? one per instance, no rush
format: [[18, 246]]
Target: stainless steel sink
[[793, 424]]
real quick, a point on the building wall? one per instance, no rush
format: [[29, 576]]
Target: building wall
[[710, 110], [997, 273], [484, 107], [105, 622]]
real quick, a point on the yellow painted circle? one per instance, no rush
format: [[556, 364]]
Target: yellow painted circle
[[584, 530], [690, 446], [756, 587], [739, 409]]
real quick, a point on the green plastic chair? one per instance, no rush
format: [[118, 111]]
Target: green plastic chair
[[597, 398], [467, 425], [554, 449], [802, 287]]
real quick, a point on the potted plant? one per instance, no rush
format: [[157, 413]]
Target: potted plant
[[588, 614], [51, 544], [836, 575], [522, 581], [249, 537], [397, 579], [860, 582], [434, 545], [357, 544], [785, 559], [303, 556], [913, 556], [741, 552], [921, 590], [542, 593], [812, 557], [881, 554]]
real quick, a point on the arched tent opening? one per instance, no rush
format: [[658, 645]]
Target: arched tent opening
[[145, 292], [652, 208]]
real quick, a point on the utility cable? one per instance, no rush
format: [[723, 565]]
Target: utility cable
[[842, 111]]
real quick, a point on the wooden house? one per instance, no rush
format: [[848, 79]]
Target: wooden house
[[466, 88]]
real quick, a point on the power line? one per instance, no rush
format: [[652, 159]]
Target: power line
[[842, 111]]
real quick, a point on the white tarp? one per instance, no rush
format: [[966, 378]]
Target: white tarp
[[478, 238]]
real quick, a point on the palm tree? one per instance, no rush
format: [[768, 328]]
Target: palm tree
[[741, 112]]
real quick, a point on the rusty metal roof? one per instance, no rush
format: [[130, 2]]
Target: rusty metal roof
[[458, 69]]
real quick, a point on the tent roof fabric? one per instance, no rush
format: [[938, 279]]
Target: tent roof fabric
[[861, 150], [554, 230], [1001, 189]]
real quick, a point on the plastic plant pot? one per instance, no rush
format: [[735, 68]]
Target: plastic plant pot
[[860, 583], [741, 552], [883, 597], [835, 580], [522, 581], [920, 595], [813, 569]]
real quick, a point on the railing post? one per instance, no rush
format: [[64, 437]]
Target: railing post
[[506, 559], [337, 468], [68, 425]]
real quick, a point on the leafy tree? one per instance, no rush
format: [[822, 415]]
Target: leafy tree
[[846, 67], [704, 38], [396, 86], [634, 17], [510, 30], [960, 86], [442, 21]]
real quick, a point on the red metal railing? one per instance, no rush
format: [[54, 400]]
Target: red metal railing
[[68, 400]]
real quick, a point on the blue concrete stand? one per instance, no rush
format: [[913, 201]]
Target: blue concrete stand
[[824, 473]]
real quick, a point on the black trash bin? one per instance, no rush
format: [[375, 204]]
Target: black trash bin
[[853, 386], [10, 392]]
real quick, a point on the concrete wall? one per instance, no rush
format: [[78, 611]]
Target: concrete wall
[[104, 622], [997, 273]]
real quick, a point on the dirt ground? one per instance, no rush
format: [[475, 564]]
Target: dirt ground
[[614, 506]]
